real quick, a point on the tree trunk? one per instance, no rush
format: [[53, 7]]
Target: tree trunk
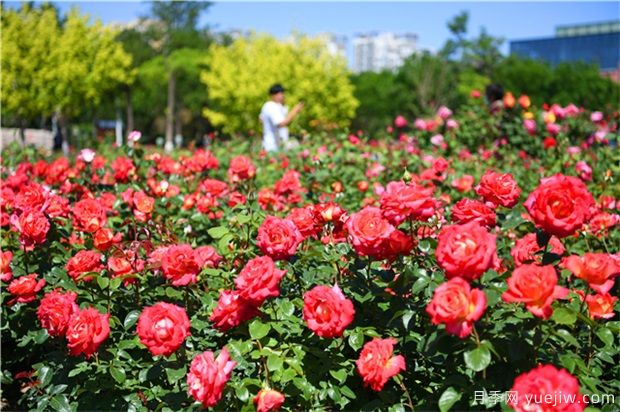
[[22, 132], [130, 120], [178, 125], [170, 112], [64, 131]]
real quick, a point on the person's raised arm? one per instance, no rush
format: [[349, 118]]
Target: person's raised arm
[[291, 115]]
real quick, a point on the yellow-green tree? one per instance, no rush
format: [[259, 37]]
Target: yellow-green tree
[[90, 63], [28, 68], [239, 77], [48, 67]]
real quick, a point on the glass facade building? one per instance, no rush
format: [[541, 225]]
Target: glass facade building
[[602, 49]]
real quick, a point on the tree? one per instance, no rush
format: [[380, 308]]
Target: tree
[[478, 53], [28, 69], [382, 97], [89, 63], [430, 81], [49, 67], [240, 75], [176, 28]]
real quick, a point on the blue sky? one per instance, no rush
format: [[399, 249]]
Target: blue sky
[[511, 20]]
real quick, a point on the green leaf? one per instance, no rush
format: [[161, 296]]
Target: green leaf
[[568, 337], [274, 362], [242, 218], [346, 391], [406, 318], [60, 403], [217, 232], [175, 375], [478, 359], [606, 336], [103, 282], [45, 375], [131, 319], [258, 329], [117, 373], [115, 283], [424, 246], [286, 308], [564, 316], [174, 293], [448, 398], [356, 339], [339, 375], [242, 393]]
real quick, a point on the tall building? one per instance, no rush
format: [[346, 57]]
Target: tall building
[[597, 43], [336, 44], [377, 51]]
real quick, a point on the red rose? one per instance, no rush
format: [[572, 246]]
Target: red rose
[[560, 205], [546, 388], [278, 238], [32, 226], [142, 206], [162, 328], [306, 221], [466, 251], [401, 201], [57, 206], [214, 187], [208, 376], [327, 312], [30, 196], [601, 305], [6, 273], [207, 257], [84, 261], [179, 265], [399, 243], [469, 210], [259, 280], [376, 365], [104, 238], [368, 230], [268, 400], [55, 311], [25, 288], [329, 212], [525, 249], [86, 331], [457, 305], [236, 198], [597, 269], [537, 287], [123, 169], [463, 184], [89, 216], [241, 168], [231, 311], [499, 189]]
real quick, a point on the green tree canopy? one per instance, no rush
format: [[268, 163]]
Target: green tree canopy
[[51, 67], [240, 75]]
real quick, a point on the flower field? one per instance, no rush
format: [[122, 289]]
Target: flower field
[[454, 260]]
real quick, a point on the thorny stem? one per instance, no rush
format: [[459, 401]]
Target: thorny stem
[[399, 380], [264, 362], [476, 336]]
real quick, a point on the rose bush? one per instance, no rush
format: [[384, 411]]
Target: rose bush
[[349, 274]]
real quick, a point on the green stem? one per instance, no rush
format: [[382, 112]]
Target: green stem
[[399, 380]]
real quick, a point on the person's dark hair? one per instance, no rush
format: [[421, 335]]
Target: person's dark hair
[[276, 88], [494, 92]]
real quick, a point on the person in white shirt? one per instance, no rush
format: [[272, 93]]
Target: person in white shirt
[[275, 118]]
